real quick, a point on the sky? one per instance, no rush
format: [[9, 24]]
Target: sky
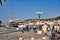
[[26, 9]]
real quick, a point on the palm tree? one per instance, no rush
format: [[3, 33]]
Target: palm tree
[[0, 22], [1, 2]]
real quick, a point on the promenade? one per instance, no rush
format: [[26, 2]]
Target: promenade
[[8, 34]]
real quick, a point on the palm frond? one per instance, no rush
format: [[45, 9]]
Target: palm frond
[[1, 2], [4, 0]]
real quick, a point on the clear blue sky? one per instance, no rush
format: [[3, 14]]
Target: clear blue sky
[[24, 9]]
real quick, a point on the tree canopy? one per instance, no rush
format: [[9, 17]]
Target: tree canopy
[[0, 22], [1, 2]]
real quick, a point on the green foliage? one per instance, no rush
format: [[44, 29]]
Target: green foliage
[[1, 2], [56, 18], [4, 0], [0, 22]]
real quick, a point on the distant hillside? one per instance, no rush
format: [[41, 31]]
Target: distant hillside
[[56, 18]]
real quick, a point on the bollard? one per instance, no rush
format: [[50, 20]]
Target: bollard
[[32, 38], [44, 38], [17, 28], [20, 38]]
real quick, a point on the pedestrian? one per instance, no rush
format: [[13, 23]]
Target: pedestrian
[[34, 28], [27, 28], [53, 32], [44, 28]]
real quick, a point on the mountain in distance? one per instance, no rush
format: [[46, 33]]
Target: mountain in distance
[[56, 18]]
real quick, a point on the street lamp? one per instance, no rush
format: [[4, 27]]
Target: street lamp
[[39, 14]]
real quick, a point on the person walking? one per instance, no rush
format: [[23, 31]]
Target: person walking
[[44, 28], [53, 33]]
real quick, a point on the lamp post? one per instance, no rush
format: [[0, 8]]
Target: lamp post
[[39, 14]]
